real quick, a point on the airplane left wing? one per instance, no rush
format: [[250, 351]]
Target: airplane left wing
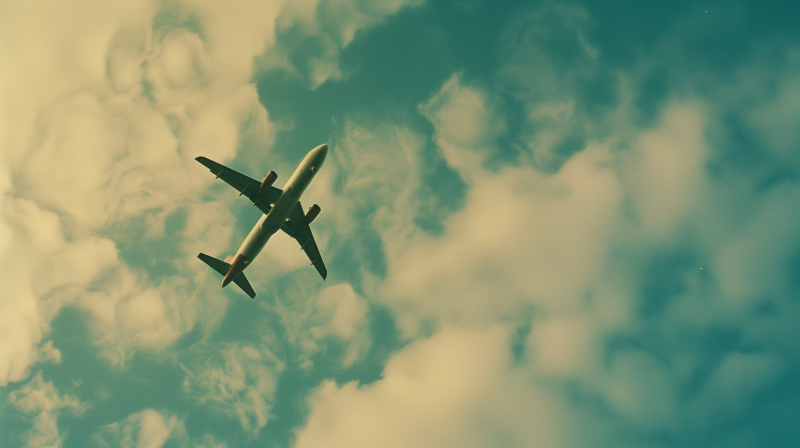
[[245, 185], [297, 228]]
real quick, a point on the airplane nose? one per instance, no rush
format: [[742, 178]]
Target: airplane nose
[[320, 151]]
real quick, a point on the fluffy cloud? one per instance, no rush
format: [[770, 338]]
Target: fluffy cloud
[[609, 280], [329, 26], [530, 254], [41, 403], [341, 314], [546, 63], [238, 379], [42, 272], [622, 264], [370, 194], [145, 429], [456, 388], [467, 124], [380, 164], [106, 148]]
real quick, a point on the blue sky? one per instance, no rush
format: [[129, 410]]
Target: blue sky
[[557, 224]]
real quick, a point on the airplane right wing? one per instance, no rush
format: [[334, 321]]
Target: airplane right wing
[[297, 228], [251, 188]]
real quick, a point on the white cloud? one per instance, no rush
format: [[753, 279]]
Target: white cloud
[[563, 237], [664, 171], [380, 163], [129, 314], [641, 389], [208, 441], [748, 264], [67, 55], [331, 25], [144, 429], [733, 386], [40, 400], [563, 346], [457, 388], [236, 33], [239, 380], [572, 248], [141, 89], [522, 237], [112, 137], [332, 322], [40, 274], [546, 78], [343, 308], [341, 313], [467, 123]]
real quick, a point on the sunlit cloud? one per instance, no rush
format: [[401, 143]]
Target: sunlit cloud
[[148, 428], [41, 403], [586, 239]]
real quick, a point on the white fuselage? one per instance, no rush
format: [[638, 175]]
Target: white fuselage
[[271, 222]]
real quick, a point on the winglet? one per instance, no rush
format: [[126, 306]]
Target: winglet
[[321, 268]]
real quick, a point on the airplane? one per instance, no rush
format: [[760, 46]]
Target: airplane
[[282, 211]]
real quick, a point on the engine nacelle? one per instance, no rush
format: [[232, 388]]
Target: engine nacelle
[[312, 214], [269, 179]]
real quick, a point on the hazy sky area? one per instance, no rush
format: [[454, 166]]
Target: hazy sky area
[[546, 224]]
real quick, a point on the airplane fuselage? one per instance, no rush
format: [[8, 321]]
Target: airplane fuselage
[[271, 222]]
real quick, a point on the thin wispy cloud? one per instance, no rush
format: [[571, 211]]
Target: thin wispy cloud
[[576, 226]]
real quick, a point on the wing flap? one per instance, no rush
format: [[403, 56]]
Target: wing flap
[[247, 186], [297, 228]]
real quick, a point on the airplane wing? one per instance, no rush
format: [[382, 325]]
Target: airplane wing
[[297, 228], [244, 185]]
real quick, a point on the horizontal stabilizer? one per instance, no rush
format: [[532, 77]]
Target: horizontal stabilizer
[[218, 265], [241, 281], [222, 267]]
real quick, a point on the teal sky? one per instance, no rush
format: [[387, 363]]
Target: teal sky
[[555, 224]]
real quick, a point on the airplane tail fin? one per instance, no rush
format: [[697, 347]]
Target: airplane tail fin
[[223, 267]]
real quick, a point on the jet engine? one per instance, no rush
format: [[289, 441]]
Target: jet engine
[[269, 179], [313, 211]]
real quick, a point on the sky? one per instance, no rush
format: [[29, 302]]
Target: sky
[[546, 224]]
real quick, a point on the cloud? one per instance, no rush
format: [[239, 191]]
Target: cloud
[[41, 264], [735, 383], [238, 380], [340, 313], [144, 429], [624, 287], [620, 272], [380, 165], [106, 148], [370, 195], [665, 171], [522, 237], [547, 62], [326, 27], [467, 124], [41, 403], [456, 388]]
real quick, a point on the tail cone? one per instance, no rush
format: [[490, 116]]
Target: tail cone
[[238, 265]]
